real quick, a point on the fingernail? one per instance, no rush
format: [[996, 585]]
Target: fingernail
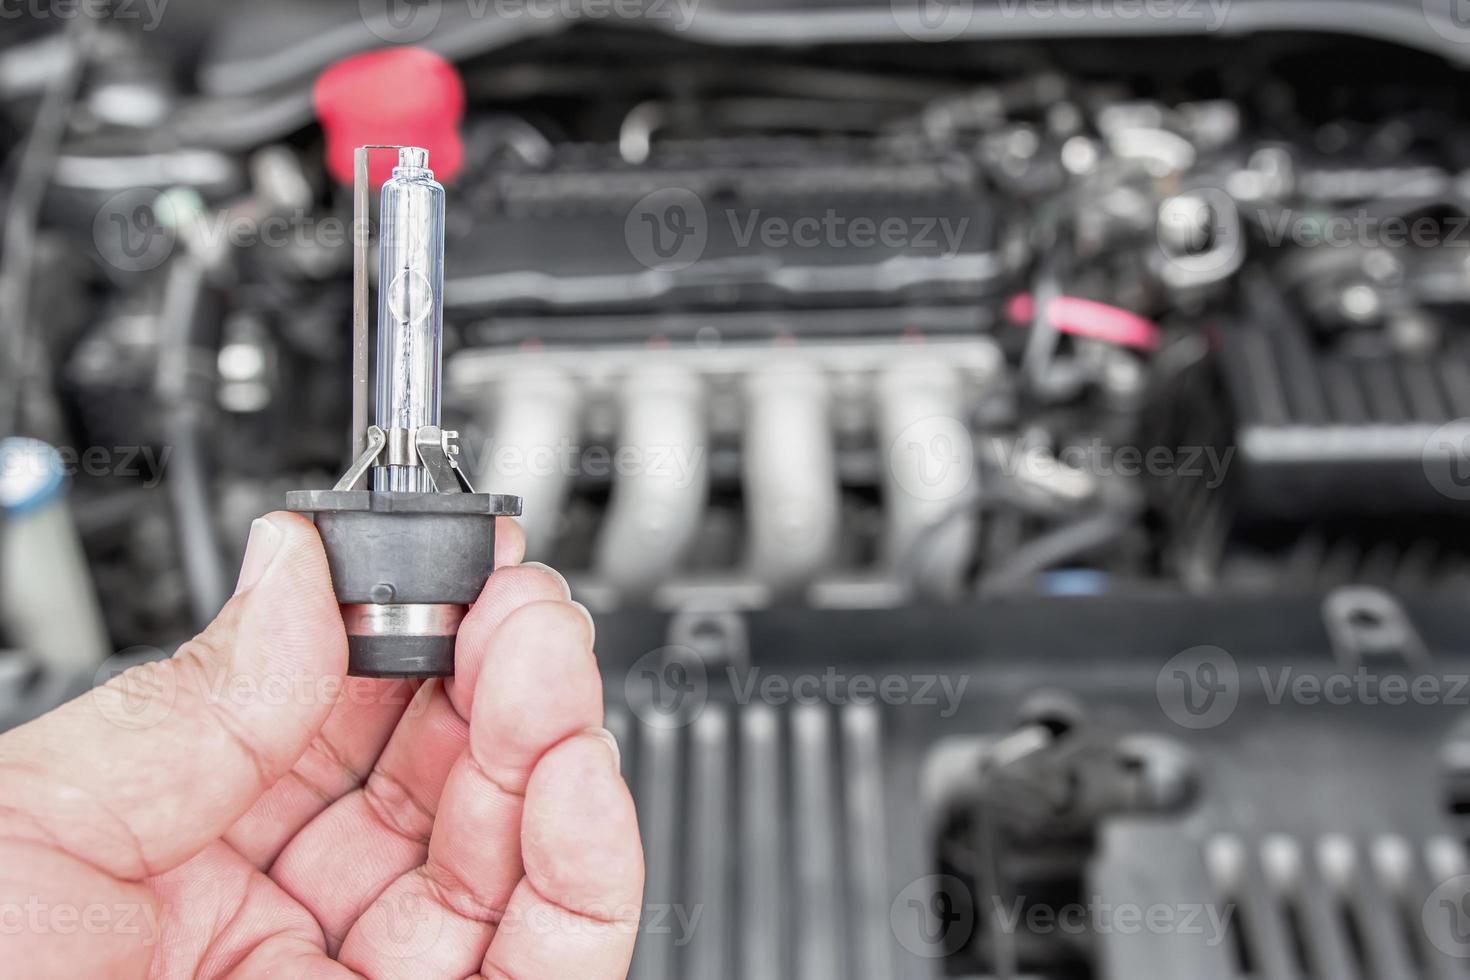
[[265, 541], [612, 745], [553, 573], [591, 623]]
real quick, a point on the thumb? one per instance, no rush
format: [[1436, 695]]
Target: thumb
[[139, 774]]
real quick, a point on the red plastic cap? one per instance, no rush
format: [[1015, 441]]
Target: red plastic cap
[[405, 96]]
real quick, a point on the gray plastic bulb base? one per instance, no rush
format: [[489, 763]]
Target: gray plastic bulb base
[[405, 567]]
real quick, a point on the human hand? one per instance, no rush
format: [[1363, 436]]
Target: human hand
[[244, 810]]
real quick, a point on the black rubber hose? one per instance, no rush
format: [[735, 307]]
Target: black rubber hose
[[37, 160], [186, 406]]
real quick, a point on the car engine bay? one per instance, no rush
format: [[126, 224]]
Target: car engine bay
[[911, 413]]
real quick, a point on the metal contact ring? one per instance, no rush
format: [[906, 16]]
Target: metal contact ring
[[403, 619]]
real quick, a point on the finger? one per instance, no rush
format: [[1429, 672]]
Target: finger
[[339, 758], [139, 774], [538, 687], [502, 595], [510, 542], [576, 911]]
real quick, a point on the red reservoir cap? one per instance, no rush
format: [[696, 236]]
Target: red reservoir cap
[[403, 96]]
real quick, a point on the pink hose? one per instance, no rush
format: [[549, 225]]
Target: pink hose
[[1089, 318]]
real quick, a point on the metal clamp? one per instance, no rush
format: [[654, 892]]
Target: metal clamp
[[429, 446], [438, 450]]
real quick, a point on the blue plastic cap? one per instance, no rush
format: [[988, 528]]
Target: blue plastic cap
[[1074, 581], [31, 475]]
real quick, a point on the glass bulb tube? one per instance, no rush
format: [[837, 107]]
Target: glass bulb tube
[[410, 309]]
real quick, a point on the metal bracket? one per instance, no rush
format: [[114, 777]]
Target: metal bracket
[[438, 451], [428, 446], [361, 214], [376, 440]]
